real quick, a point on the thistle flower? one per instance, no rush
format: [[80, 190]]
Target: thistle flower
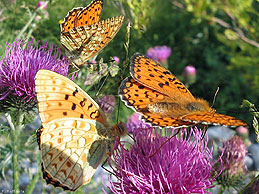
[[107, 103], [41, 3], [116, 59], [19, 66], [135, 123], [233, 162], [243, 131], [189, 74], [181, 165], [159, 54]]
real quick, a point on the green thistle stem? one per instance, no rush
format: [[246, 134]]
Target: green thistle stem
[[221, 190], [15, 133], [30, 21], [33, 182]]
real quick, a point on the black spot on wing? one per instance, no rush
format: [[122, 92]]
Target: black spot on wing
[[75, 92], [161, 85], [90, 106], [82, 103], [66, 97]]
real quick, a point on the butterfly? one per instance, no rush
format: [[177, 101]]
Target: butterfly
[[83, 35], [163, 100], [75, 134]]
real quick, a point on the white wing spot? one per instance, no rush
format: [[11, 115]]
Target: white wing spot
[[81, 141]]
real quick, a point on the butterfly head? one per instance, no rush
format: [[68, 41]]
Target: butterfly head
[[199, 105]]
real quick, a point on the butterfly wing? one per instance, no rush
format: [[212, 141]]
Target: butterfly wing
[[59, 97], [76, 39], [156, 77], [210, 118], [90, 14], [139, 97], [83, 43], [70, 19], [71, 150], [157, 120], [82, 16], [112, 27]]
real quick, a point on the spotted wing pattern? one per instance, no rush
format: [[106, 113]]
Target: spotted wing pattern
[[75, 135], [83, 43], [163, 100], [59, 97], [151, 74], [71, 151], [138, 97], [209, 118], [83, 16]]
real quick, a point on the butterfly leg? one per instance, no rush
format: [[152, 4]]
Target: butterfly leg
[[76, 70], [203, 135], [204, 132]]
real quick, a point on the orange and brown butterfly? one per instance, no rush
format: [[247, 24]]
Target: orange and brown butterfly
[[83, 35], [75, 134], [163, 100]]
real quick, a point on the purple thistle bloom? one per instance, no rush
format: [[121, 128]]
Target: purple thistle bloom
[[159, 53], [116, 59], [182, 165], [233, 159], [189, 74], [107, 103], [135, 123], [41, 3], [189, 70], [20, 64], [234, 153]]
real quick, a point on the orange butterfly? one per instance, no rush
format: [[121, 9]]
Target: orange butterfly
[[83, 35], [163, 100], [75, 136]]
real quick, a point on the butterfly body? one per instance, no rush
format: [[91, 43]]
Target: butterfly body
[[83, 35], [173, 109], [75, 136], [163, 100]]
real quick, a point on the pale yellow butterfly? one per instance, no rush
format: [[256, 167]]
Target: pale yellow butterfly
[[75, 136]]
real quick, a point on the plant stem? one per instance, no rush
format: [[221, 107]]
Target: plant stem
[[221, 190], [30, 20], [15, 133], [33, 182]]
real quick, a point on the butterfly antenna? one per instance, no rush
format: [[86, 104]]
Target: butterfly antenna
[[215, 95], [178, 131]]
